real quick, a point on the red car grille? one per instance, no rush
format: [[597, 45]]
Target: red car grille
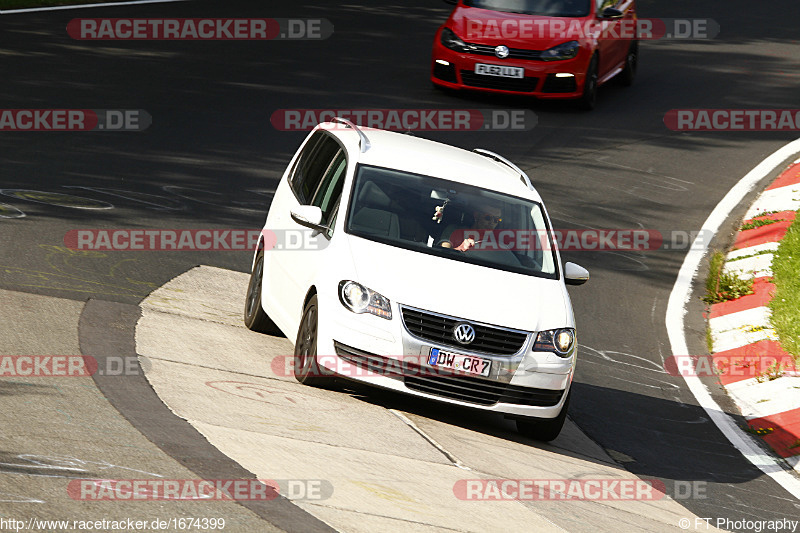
[[521, 85]]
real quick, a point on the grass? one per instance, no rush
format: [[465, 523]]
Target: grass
[[723, 286], [760, 432], [773, 372], [765, 213], [785, 304], [753, 224]]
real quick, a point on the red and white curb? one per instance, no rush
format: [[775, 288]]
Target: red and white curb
[[675, 319], [741, 329]]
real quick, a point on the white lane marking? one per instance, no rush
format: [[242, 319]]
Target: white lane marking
[[676, 309], [84, 6], [452, 458]]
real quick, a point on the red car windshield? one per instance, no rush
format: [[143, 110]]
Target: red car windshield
[[550, 8]]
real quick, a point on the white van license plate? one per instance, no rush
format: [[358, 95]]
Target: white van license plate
[[460, 362]]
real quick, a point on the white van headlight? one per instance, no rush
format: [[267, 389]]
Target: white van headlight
[[360, 299], [560, 341]]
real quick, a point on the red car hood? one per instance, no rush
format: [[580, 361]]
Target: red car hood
[[531, 32]]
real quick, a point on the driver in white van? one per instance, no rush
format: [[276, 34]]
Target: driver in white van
[[486, 218]]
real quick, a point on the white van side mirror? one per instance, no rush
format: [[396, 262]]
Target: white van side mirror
[[575, 274]]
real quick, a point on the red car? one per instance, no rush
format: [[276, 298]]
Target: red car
[[560, 49]]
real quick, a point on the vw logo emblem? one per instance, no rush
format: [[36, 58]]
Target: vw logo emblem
[[464, 333], [502, 51]]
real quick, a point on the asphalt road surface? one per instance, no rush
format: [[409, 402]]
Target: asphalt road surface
[[211, 159]]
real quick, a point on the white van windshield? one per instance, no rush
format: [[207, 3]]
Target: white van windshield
[[452, 220]]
